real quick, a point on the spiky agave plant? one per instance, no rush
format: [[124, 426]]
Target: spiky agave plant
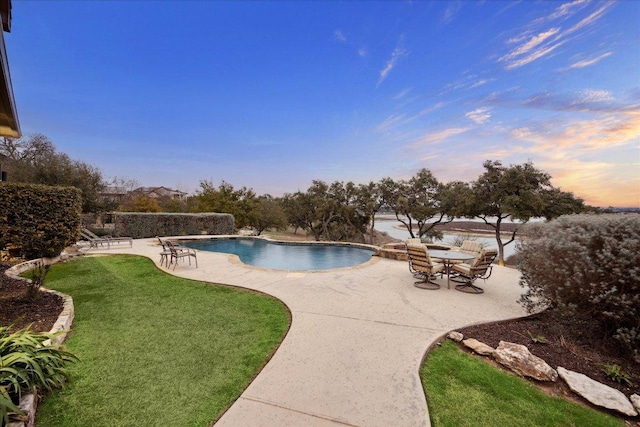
[[25, 363]]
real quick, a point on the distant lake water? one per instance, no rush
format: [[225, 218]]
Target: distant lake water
[[390, 225]]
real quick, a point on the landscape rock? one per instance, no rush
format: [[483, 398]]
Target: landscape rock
[[635, 400], [518, 358], [28, 404], [479, 347], [597, 393], [455, 336]]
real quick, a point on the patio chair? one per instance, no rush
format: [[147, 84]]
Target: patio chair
[[88, 233], [180, 252], [165, 255], [421, 263], [471, 247], [413, 241], [480, 268]]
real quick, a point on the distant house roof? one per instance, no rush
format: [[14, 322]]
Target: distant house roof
[[158, 192], [9, 124]]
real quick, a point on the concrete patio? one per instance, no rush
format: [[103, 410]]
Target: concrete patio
[[357, 338]]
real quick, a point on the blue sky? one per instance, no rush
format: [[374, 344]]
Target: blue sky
[[271, 95]]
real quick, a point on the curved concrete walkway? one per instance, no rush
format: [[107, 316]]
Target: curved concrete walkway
[[357, 339]]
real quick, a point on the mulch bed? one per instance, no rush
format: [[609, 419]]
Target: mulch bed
[[40, 313], [574, 343]]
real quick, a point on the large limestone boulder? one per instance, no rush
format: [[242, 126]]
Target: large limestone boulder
[[479, 347], [597, 393], [518, 358]]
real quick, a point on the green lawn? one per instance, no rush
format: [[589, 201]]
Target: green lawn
[[157, 350], [465, 391]]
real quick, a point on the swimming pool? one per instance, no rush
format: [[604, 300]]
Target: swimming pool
[[287, 256]]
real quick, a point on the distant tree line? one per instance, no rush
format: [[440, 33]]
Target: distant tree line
[[346, 211], [326, 211]]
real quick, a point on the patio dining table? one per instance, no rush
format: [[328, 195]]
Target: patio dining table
[[449, 258]]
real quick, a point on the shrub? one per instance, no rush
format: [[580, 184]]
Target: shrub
[[458, 239], [141, 225], [587, 264], [26, 363], [39, 219]]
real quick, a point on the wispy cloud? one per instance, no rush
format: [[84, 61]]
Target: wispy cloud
[[589, 19], [437, 137], [450, 12], [533, 44], [479, 115], [481, 82], [398, 53], [601, 133], [583, 101], [403, 94], [566, 9], [401, 119], [594, 96], [391, 122], [588, 62], [531, 50], [339, 36], [468, 82]]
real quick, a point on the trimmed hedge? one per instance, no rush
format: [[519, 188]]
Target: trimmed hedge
[[141, 225], [587, 264], [40, 220]]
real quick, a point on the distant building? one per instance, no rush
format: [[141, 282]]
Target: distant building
[[120, 195], [159, 193]]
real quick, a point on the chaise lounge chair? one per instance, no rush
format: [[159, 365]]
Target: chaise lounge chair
[[95, 240]]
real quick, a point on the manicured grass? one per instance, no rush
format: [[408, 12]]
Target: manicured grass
[[465, 391], [157, 350]]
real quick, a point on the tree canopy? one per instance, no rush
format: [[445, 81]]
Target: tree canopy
[[224, 198], [421, 203], [33, 159], [517, 192]]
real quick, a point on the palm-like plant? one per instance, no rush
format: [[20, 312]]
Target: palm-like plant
[[26, 363]]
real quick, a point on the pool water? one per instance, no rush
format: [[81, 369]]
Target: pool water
[[287, 256]]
